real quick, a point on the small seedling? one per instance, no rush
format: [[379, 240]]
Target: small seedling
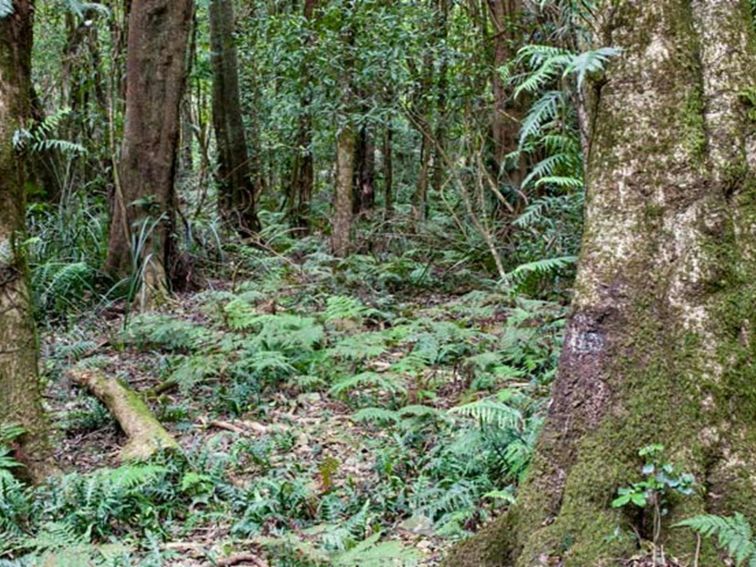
[[660, 480]]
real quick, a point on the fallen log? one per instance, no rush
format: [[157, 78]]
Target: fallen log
[[145, 434]]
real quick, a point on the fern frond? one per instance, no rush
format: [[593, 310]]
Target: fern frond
[[545, 109], [491, 412], [379, 416], [590, 62], [6, 8], [540, 267], [389, 383], [734, 534]]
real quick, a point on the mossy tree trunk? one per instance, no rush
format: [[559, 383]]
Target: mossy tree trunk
[[20, 396], [661, 345], [236, 186], [144, 207]]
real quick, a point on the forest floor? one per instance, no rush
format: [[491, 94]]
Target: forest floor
[[358, 412]]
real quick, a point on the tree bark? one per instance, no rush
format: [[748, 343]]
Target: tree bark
[[505, 16], [236, 186], [660, 347], [441, 98], [388, 169], [364, 186], [420, 196], [423, 121], [20, 395], [144, 207], [342, 222]]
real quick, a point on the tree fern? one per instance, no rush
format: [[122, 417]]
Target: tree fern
[[734, 534], [541, 113]]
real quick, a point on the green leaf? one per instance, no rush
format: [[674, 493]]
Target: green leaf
[[6, 8]]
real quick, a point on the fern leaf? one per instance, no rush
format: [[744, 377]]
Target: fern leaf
[[734, 534], [6, 8], [376, 415], [491, 412], [590, 62]]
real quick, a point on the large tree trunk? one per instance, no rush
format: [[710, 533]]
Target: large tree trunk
[[236, 190], [660, 347], [145, 202], [20, 397]]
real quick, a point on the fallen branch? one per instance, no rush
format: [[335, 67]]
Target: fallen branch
[[252, 558], [146, 435], [162, 388]]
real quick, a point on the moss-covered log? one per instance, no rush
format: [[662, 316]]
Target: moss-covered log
[[146, 435], [660, 347]]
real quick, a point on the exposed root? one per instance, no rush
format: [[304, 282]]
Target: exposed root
[[146, 435]]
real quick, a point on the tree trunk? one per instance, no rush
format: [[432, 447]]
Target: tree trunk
[[388, 169], [439, 149], [420, 196], [660, 347], [424, 123], [20, 396], [505, 16], [364, 187], [342, 222], [144, 207], [236, 187]]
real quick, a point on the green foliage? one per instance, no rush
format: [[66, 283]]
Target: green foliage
[[368, 382], [66, 249], [490, 412], [6, 8], [734, 534], [539, 268], [37, 139], [446, 387], [660, 479], [161, 331]]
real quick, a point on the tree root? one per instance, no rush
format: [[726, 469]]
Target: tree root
[[146, 435]]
